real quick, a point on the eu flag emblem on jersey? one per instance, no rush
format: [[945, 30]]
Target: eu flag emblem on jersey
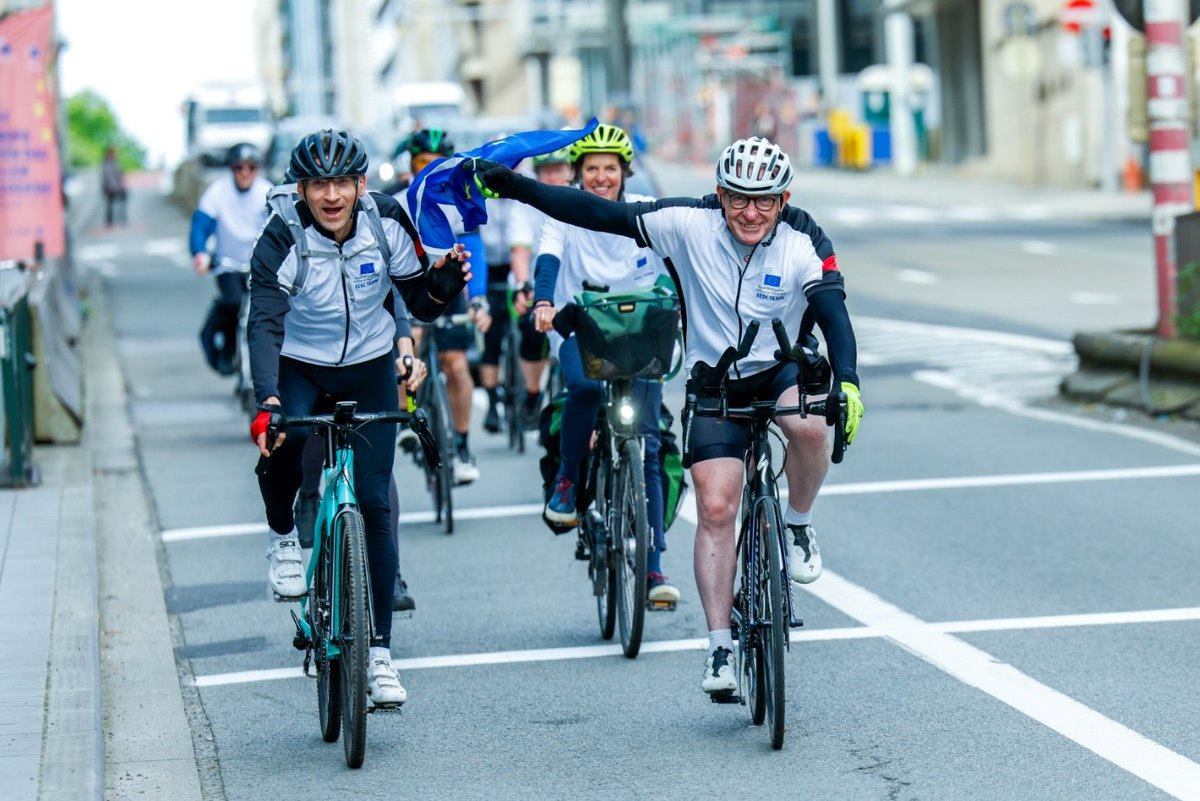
[[772, 280], [642, 262], [367, 269]]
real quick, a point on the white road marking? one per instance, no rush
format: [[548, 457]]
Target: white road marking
[[916, 277], [1030, 212], [164, 247], [242, 529], [1036, 247], [911, 214], [972, 213], [1094, 299], [1185, 614], [1127, 749], [687, 510], [97, 252]]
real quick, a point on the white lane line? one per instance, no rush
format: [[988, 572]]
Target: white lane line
[[922, 277], [1127, 749], [241, 529], [669, 646], [164, 247], [688, 510], [923, 331], [1036, 247], [1094, 299], [97, 252], [996, 400]]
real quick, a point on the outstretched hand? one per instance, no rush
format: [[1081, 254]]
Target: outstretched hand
[[450, 274], [491, 177]]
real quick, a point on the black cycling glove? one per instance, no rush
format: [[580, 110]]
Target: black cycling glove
[[447, 282]]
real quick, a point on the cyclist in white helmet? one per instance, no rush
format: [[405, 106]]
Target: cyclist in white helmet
[[742, 254]]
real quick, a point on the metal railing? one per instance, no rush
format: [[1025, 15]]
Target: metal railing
[[16, 375]]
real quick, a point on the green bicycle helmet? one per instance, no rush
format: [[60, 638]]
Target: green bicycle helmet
[[605, 139], [560, 156], [428, 140]]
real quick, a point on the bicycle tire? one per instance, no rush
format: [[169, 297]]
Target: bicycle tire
[[329, 674], [606, 601], [446, 448], [770, 582], [514, 392], [749, 642], [354, 635], [630, 541]]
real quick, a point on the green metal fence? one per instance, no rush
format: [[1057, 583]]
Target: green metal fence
[[16, 376]]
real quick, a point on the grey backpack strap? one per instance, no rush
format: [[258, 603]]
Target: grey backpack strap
[[372, 209], [282, 200]]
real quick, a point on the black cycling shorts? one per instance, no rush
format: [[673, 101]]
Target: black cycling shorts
[[721, 437], [457, 337]]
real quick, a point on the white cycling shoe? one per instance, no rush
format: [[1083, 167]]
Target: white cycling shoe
[[285, 571], [804, 556], [720, 672], [465, 470], [383, 685]]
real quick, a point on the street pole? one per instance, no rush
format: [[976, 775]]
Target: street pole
[[1170, 158], [618, 49], [898, 28]]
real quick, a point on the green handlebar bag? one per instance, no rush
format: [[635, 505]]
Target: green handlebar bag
[[628, 334]]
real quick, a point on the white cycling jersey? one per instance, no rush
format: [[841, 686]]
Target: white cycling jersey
[[240, 216], [722, 291], [600, 259]]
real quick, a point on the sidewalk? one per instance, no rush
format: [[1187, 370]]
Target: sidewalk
[[73, 726], [936, 188]]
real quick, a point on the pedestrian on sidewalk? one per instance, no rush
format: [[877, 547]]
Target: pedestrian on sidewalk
[[112, 181]]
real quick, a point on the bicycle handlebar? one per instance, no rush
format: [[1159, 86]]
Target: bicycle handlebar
[[345, 416], [706, 377]]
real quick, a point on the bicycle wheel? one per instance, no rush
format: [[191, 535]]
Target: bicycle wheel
[[329, 674], [630, 539], [769, 581], [514, 390], [353, 636], [599, 526], [245, 382], [445, 434]]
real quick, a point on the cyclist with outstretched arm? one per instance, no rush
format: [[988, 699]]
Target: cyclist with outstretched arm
[[331, 332], [742, 254]]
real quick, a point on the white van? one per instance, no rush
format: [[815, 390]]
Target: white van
[[428, 104], [222, 115]]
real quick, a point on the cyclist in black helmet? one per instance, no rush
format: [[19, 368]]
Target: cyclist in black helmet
[[232, 210], [320, 323]]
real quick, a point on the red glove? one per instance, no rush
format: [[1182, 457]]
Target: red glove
[[267, 413]]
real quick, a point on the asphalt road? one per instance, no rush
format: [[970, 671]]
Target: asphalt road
[[1008, 609]]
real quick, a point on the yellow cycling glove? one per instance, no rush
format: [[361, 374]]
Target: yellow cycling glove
[[854, 410]]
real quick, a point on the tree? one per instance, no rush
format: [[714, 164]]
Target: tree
[[92, 127]]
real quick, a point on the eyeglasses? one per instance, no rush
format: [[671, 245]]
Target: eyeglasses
[[247, 167], [763, 203]]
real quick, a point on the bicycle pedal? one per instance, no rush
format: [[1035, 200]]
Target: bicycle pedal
[[282, 599], [725, 697], [383, 707], [405, 614], [661, 606]]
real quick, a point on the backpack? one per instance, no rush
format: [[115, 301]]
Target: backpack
[[282, 200], [674, 479]]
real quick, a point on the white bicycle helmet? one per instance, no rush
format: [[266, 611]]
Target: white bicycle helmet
[[754, 166]]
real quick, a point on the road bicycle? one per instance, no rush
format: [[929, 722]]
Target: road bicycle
[[434, 400], [763, 611], [243, 388], [335, 621], [614, 530]]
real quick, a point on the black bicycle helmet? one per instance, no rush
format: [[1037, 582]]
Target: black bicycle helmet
[[241, 153], [428, 140], [329, 154]]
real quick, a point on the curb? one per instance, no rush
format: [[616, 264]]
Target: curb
[[1137, 370]]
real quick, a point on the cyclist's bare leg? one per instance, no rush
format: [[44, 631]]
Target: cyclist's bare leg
[[718, 495], [459, 387], [489, 375], [533, 374], [808, 451]]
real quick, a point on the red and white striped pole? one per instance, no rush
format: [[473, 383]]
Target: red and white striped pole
[[1170, 156]]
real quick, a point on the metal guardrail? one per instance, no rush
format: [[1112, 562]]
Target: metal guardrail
[[16, 375]]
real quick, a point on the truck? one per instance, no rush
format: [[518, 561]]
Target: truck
[[427, 104], [221, 115]]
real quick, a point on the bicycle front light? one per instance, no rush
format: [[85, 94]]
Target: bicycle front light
[[625, 411]]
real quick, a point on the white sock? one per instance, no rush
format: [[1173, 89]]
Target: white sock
[[720, 638], [275, 536], [379, 652], [793, 518]]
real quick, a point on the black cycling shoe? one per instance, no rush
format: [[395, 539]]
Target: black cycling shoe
[[401, 600], [305, 512], [491, 422], [531, 411]]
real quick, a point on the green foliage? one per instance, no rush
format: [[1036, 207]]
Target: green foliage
[[92, 127], [1188, 285]]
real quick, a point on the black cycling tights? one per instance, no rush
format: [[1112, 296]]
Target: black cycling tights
[[373, 385]]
